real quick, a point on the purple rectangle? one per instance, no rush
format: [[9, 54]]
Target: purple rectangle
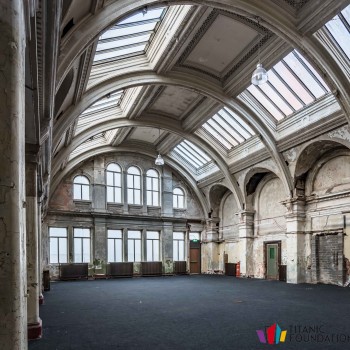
[[261, 336]]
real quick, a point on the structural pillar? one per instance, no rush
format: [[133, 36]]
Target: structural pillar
[[295, 221], [13, 279], [33, 274], [246, 237], [210, 247]]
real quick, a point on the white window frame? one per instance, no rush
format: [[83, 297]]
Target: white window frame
[[80, 236], [133, 236], [176, 198], [113, 185], [78, 188], [115, 237], [179, 237], [153, 189], [59, 237], [152, 246], [131, 189]]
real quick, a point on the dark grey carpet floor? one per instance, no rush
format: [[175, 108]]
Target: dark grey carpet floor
[[191, 312]]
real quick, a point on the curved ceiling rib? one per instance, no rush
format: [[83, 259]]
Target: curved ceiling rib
[[271, 16], [204, 87]]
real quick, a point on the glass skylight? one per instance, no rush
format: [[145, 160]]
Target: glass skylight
[[192, 154], [129, 36], [339, 28], [293, 83], [228, 128], [93, 113]]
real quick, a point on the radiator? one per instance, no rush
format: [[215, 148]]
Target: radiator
[[120, 269], [180, 267], [74, 271], [230, 269], [153, 268]]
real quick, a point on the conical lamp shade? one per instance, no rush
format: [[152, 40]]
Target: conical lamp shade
[[159, 160], [259, 75]]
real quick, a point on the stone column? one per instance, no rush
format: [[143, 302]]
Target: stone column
[[167, 192], [295, 221], [210, 247], [13, 277], [99, 187], [100, 245], [246, 238], [167, 247], [33, 280]]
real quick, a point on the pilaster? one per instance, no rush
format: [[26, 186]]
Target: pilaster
[[246, 237]]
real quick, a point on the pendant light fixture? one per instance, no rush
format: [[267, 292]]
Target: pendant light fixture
[[159, 160], [259, 76]]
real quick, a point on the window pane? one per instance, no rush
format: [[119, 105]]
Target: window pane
[[85, 192], [181, 250], [118, 195], [156, 250], [131, 250], [134, 234], [58, 231], [63, 254], [110, 197], [53, 250], [174, 201], [114, 234], [77, 250], [175, 251], [155, 198], [137, 250], [149, 250], [130, 179], [117, 179], [340, 34], [111, 250], [81, 232], [155, 182], [114, 167], [110, 178], [86, 250], [149, 197], [131, 197], [137, 182], [152, 235], [118, 250], [77, 191], [179, 235], [137, 197], [148, 183]]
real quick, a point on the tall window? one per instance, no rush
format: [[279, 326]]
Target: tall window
[[82, 245], [178, 198], [178, 246], [115, 245], [134, 246], [152, 246], [114, 183], [81, 188], [58, 245], [134, 185], [152, 186]]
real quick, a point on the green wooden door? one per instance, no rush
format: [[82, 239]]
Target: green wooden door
[[272, 261]]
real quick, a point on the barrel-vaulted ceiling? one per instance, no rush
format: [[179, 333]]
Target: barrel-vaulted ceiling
[[152, 76]]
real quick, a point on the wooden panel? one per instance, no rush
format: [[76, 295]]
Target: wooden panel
[[283, 273], [195, 260]]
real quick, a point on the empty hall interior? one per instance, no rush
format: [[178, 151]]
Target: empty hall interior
[[203, 142]]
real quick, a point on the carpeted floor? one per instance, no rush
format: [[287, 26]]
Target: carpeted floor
[[192, 312]]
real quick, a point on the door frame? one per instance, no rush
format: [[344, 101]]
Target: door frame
[[279, 244], [196, 245]]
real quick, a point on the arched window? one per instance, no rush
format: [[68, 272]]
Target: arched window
[[81, 188], [153, 188], [134, 185], [178, 198], [114, 183]]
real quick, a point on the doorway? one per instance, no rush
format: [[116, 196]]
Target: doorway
[[272, 259], [195, 257]]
